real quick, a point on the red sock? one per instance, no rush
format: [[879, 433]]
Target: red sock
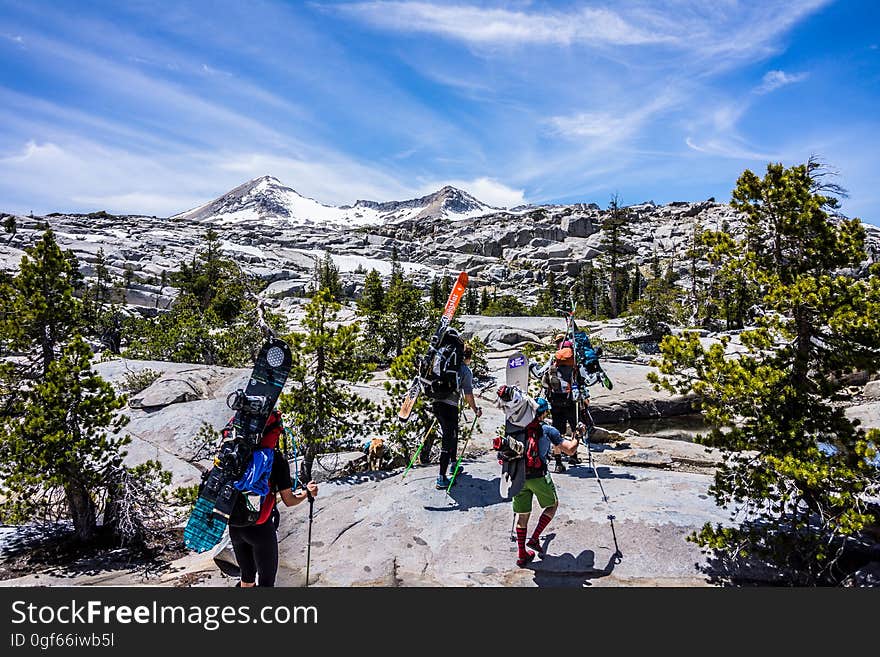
[[543, 521], [521, 542]]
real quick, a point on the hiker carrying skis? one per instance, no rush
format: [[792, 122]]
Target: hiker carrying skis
[[563, 385], [447, 413], [254, 535], [539, 484]]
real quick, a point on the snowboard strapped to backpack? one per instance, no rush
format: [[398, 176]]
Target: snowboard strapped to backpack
[[441, 377]]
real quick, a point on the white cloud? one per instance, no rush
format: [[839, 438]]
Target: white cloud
[[773, 80], [589, 124], [716, 37], [82, 175], [730, 148], [606, 127], [484, 26], [487, 190]]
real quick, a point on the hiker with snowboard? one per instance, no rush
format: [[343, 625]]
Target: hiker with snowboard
[[540, 438], [564, 386], [450, 379], [253, 523]]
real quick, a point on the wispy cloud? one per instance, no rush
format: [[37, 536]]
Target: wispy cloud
[[719, 36], [499, 26], [773, 80], [730, 148], [611, 127]]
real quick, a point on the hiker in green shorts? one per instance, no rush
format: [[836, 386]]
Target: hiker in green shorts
[[538, 483]]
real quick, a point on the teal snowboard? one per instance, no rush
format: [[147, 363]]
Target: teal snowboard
[[252, 406]]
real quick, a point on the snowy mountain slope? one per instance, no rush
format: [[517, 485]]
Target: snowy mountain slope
[[266, 199]]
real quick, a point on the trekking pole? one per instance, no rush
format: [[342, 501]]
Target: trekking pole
[[618, 555], [458, 462], [512, 525], [590, 455], [589, 431], [419, 450], [309, 543]]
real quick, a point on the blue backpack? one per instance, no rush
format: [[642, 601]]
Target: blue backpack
[[586, 355]]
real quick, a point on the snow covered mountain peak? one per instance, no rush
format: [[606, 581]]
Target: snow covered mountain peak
[[267, 200]]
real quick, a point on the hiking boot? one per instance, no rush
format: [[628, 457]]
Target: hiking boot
[[574, 460], [536, 546], [530, 556], [442, 482], [559, 467]]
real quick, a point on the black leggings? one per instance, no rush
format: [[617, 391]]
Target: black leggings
[[447, 418], [563, 416], [256, 550]]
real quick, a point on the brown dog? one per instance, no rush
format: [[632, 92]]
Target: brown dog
[[375, 454]]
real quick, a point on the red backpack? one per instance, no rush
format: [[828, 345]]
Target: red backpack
[[529, 438]]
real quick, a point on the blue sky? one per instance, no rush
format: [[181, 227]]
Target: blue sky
[[157, 107]]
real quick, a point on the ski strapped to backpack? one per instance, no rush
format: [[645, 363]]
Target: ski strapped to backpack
[[426, 364], [442, 373]]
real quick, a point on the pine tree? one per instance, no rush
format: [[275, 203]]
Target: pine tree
[[588, 289], [484, 300], [43, 311], [214, 281], [10, 225], [445, 290], [327, 277], [371, 307], [100, 312], [321, 407], [615, 231], [471, 302], [373, 297], [58, 448], [656, 311], [59, 452], [729, 291], [548, 298], [436, 294], [624, 286], [797, 470], [405, 314], [396, 267], [696, 257]]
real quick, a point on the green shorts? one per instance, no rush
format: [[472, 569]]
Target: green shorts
[[540, 487]]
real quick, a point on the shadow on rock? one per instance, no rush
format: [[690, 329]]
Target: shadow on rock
[[470, 492], [364, 477], [567, 570], [584, 471]]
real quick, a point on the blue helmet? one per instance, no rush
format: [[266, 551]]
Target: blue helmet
[[543, 405]]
